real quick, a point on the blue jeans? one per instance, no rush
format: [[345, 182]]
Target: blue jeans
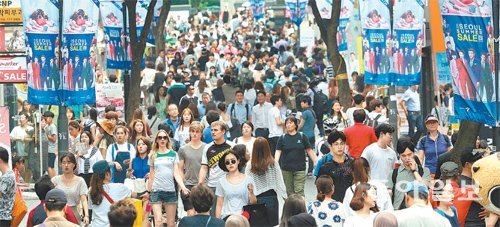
[[270, 199], [415, 120]]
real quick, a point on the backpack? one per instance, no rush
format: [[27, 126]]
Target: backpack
[[329, 168], [373, 122], [422, 140], [235, 131], [320, 101], [246, 77]]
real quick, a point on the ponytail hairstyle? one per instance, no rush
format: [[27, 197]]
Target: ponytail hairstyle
[[360, 170], [324, 185], [97, 188], [156, 145]]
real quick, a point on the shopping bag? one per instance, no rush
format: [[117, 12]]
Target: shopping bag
[[138, 207], [19, 210]]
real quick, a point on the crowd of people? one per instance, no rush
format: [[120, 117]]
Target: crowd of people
[[231, 124]]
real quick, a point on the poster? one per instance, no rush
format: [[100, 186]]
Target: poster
[[258, 8], [307, 38], [4, 129], [153, 28], [468, 28], [296, 10], [375, 19], [110, 94], [325, 8], [10, 11], [13, 70], [407, 42], [41, 24], [12, 39], [346, 12], [80, 18]]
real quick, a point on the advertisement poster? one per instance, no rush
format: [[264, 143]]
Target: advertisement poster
[[296, 10], [258, 8], [12, 40], [153, 28], [346, 12], [80, 18], [376, 33], [325, 8], [407, 41], [41, 24], [110, 94], [10, 11], [13, 70], [468, 28]]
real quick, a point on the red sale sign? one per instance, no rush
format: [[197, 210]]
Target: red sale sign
[[13, 70]]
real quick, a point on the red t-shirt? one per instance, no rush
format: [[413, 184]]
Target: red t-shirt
[[358, 137]]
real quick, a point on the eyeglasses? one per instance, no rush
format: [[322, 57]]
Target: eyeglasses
[[229, 162], [162, 137]]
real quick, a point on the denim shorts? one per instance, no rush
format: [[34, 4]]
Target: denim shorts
[[51, 160], [162, 197]]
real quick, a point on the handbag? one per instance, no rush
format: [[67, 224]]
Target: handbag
[[19, 210], [258, 214], [137, 204]]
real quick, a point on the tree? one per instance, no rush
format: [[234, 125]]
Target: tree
[[160, 27], [138, 47], [467, 136], [328, 30]]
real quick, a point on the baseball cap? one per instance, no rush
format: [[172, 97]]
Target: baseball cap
[[470, 155], [449, 169], [56, 196], [101, 167], [418, 187], [431, 117], [48, 114]]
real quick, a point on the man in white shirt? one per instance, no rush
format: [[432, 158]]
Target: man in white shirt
[[379, 155], [275, 122], [359, 101], [376, 107], [260, 113], [418, 212]]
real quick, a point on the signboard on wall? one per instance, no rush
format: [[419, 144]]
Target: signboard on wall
[[13, 70], [10, 11]]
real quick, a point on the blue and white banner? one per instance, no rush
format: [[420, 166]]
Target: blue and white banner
[[375, 19], [156, 15], [116, 54], [296, 10], [325, 8], [80, 19], [468, 28], [346, 12], [258, 8], [41, 24], [407, 41]]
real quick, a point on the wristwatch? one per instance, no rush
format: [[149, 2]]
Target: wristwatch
[[415, 170]]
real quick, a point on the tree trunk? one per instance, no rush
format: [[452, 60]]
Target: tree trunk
[[160, 32], [329, 35], [138, 46], [467, 136]]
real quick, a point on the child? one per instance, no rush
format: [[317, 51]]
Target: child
[[18, 164], [444, 195], [51, 131]]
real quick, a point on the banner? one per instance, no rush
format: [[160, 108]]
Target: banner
[[13, 70], [110, 94], [10, 11], [153, 28], [469, 41], [438, 47], [296, 10], [376, 34], [4, 129], [258, 8], [325, 8], [407, 41], [41, 24], [12, 39], [342, 30], [79, 51]]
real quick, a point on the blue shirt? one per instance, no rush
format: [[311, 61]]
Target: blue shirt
[[140, 167], [309, 123], [412, 100], [207, 135], [432, 149], [173, 126], [202, 109], [241, 111]]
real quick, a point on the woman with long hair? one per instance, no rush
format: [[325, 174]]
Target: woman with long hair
[[361, 174], [202, 87], [103, 193], [246, 139], [141, 168], [235, 190], [73, 186], [268, 178], [137, 129], [161, 102], [139, 115], [294, 204], [325, 209], [181, 135], [161, 187], [120, 154], [88, 155], [364, 205], [337, 119]]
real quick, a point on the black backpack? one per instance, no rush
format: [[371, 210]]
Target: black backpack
[[394, 177], [320, 101], [372, 122]]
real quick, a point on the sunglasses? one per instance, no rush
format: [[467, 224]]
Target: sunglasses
[[232, 161], [162, 137]]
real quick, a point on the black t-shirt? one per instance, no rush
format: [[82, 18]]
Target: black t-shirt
[[158, 81], [218, 95], [201, 220], [472, 218], [293, 151], [176, 92]]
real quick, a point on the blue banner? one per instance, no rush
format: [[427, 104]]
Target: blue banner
[[41, 24], [346, 12], [407, 42], [376, 34], [153, 27], [296, 10], [468, 26], [79, 50], [258, 8]]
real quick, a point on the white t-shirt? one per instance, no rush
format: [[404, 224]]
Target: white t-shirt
[[383, 197], [382, 119], [355, 220], [117, 192], [274, 129], [350, 114], [235, 195], [121, 147], [181, 135], [248, 145], [92, 160], [381, 161]]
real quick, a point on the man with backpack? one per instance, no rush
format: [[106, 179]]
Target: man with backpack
[[306, 124], [239, 113], [319, 107], [409, 170], [188, 98], [376, 117]]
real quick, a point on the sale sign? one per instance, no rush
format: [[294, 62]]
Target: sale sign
[[10, 11], [13, 70]]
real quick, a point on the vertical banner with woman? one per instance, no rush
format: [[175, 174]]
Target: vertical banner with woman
[[80, 18], [258, 8], [41, 25], [375, 18], [468, 28], [407, 41], [345, 13]]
